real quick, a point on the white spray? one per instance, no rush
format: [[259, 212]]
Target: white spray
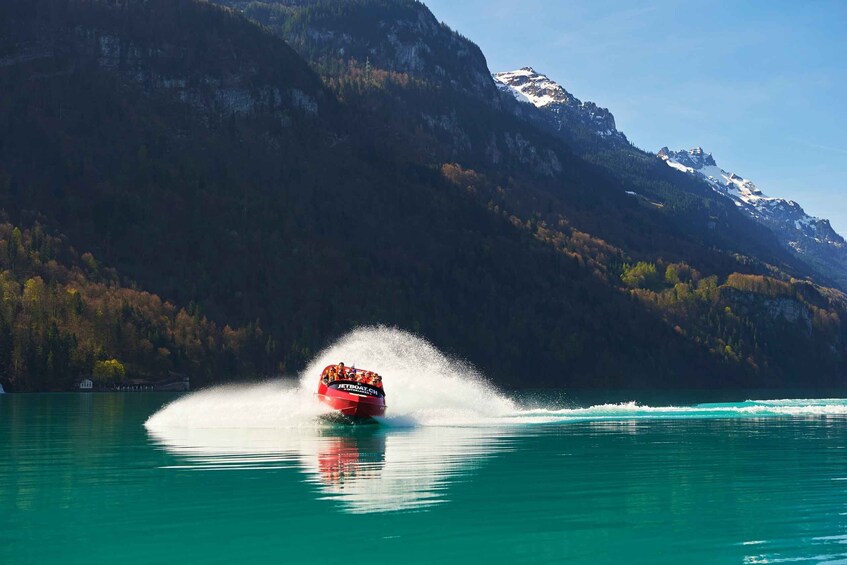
[[423, 387]]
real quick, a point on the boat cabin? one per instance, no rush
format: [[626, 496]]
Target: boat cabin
[[355, 381]]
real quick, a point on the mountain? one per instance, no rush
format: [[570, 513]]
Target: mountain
[[591, 131], [563, 110], [294, 169], [168, 138], [542, 160], [811, 238]]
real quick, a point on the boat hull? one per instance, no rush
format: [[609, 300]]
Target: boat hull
[[350, 404]]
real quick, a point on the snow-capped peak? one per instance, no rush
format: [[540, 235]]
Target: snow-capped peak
[[694, 158], [785, 217], [564, 110]]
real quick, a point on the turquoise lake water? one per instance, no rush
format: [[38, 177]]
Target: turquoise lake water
[[82, 480]]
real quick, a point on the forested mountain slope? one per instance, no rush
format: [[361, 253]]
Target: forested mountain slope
[[65, 315], [203, 159], [394, 63]]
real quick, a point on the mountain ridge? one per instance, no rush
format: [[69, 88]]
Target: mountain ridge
[[806, 235], [813, 240]]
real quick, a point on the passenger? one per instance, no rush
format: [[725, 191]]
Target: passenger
[[342, 372], [377, 382]]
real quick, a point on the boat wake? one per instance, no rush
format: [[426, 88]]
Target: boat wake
[[426, 388]]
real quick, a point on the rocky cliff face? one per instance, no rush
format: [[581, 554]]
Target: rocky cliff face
[[392, 58], [395, 35], [810, 237], [211, 81]]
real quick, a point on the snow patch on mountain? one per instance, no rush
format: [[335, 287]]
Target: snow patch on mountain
[[534, 88]]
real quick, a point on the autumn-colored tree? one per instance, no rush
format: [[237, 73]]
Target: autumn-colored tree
[[640, 275], [110, 371]]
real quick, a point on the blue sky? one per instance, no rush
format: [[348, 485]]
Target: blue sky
[[761, 85]]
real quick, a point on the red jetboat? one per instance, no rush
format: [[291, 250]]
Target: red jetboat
[[351, 392]]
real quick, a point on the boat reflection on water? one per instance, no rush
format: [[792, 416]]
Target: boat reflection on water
[[342, 460], [365, 468]]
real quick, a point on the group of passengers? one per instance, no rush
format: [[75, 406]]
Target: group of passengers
[[341, 373]]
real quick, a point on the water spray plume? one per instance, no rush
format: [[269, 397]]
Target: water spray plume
[[423, 386]]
